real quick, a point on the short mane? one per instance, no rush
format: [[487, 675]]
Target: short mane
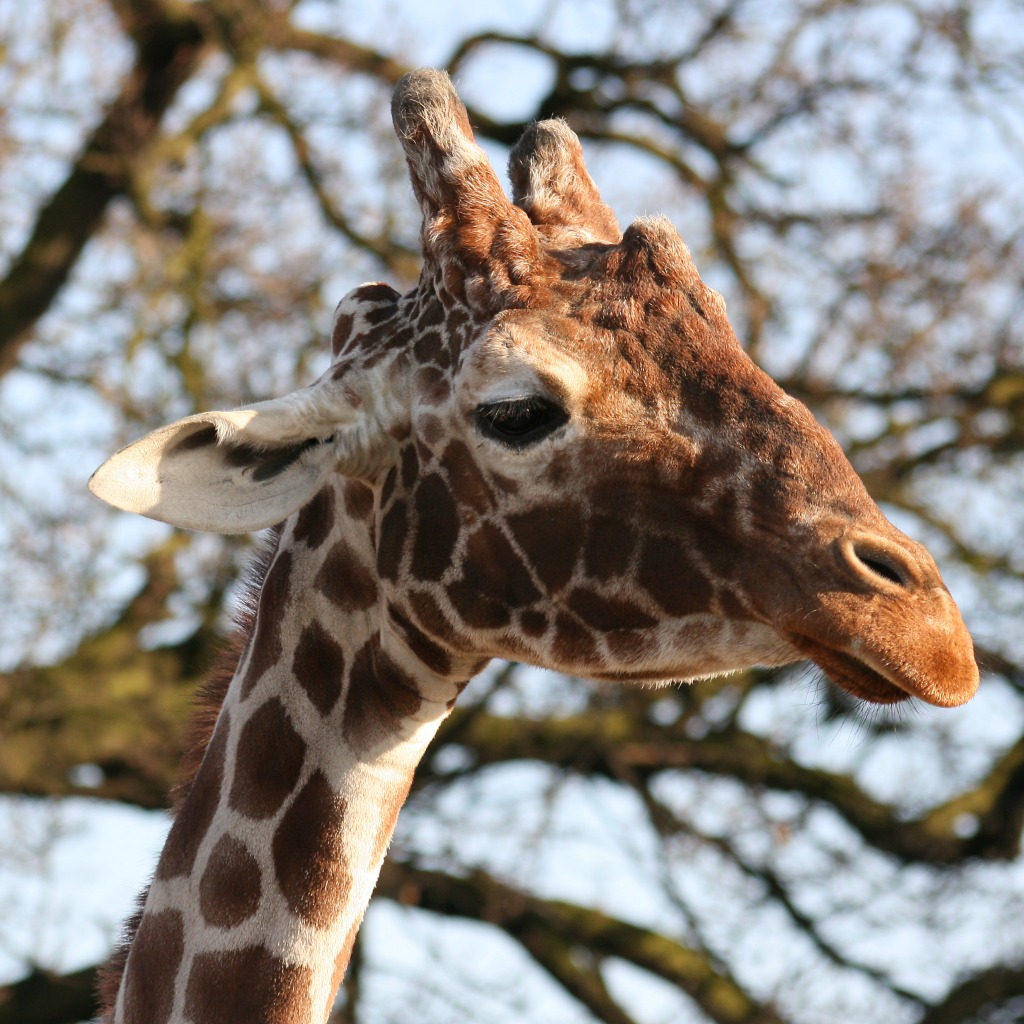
[[206, 707]]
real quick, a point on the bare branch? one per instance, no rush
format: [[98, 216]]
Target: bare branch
[[168, 51], [548, 930], [46, 998], [606, 743]]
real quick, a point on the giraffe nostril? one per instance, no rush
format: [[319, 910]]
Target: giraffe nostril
[[869, 560]]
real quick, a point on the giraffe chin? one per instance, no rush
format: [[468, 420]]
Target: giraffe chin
[[851, 674]]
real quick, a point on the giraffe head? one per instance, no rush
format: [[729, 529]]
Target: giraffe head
[[571, 460]]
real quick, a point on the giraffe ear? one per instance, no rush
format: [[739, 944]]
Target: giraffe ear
[[233, 472], [486, 248]]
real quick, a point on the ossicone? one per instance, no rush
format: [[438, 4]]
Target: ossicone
[[651, 247], [551, 183], [486, 249]]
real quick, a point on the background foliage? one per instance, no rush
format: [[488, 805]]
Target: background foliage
[[186, 190]]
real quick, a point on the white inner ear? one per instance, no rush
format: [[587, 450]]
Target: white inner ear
[[234, 472]]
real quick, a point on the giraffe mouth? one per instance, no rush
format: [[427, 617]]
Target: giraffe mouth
[[851, 674]]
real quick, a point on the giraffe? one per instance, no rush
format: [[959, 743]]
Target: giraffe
[[553, 450]]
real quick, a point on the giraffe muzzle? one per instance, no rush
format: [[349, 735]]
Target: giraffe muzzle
[[885, 628]]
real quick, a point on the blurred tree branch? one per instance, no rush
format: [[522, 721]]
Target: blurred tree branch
[[985, 990], [167, 52], [44, 997], [552, 931], [615, 744], [111, 705]]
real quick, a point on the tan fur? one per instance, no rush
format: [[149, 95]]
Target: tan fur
[[202, 722]]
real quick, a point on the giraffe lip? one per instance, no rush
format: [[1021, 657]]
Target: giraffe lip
[[850, 673]]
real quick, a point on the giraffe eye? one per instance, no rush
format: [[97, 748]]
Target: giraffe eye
[[519, 422]]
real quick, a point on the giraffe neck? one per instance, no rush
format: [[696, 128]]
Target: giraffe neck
[[274, 853]]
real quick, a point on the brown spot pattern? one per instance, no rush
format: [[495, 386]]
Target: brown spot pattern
[[268, 763], [533, 623], [316, 518], [382, 313], [477, 610], [319, 666], [431, 314], [457, 321], [345, 581], [342, 332], [668, 575], [429, 348], [380, 697], [388, 489], [229, 891], [432, 385], [437, 529], [410, 466], [466, 479], [154, 961], [377, 292], [247, 985], [627, 645], [432, 432], [393, 529], [606, 614], [197, 809], [573, 642], [551, 538], [358, 499], [266, 643], [429, 614], [433, 656], [312, 873], [493, 567], [610, 544]]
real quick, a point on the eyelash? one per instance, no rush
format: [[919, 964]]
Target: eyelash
[[520, 422]]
